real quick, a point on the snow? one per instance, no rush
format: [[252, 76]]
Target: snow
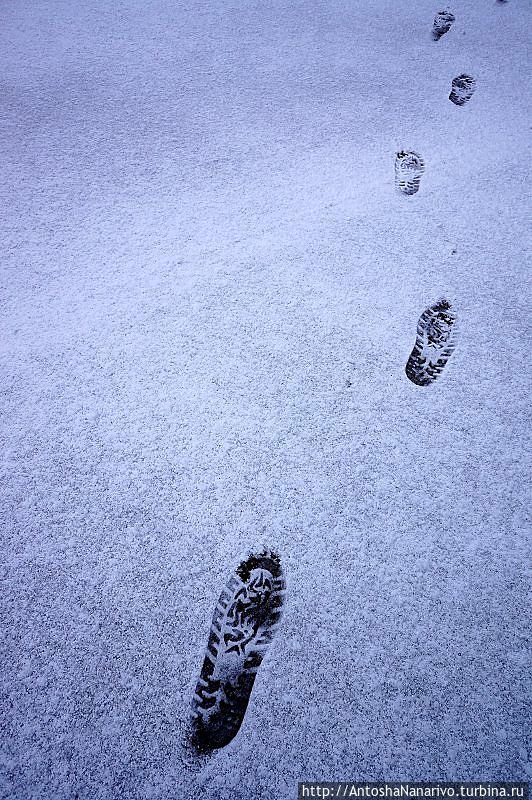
[[209, 292]]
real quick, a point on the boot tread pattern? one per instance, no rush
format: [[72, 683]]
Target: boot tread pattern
[[244, 624], [435, 343]]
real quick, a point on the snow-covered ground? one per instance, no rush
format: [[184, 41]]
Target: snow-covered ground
[[209, 292]]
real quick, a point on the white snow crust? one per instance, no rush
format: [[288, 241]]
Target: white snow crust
[[209, 291]]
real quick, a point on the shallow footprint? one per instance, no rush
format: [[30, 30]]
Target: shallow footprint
[[409, 167], [463, 88], [442, 24], [243, 625], [435, 343]]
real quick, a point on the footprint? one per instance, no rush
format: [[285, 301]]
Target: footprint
[[435, 342], [409, 167], [442, 24], [243, 625], [463, 88]]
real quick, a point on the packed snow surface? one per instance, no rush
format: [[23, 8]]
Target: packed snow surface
[[210, 288]]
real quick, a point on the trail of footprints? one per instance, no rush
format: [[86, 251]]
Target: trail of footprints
[[436, 330], [248, 611]]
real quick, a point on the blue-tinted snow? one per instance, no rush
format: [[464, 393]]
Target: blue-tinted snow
[[209, 292]]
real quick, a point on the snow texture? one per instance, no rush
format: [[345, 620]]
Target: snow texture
[[210, 288]]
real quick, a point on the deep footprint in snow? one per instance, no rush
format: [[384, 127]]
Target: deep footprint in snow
[[243, 625], [435, 343], [463, 88], [442, 24], [409, 167]]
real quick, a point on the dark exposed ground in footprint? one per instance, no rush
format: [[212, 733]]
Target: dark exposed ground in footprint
[[463, 88], [435, 342], [409, 167], [243, 625], [442, 24]]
